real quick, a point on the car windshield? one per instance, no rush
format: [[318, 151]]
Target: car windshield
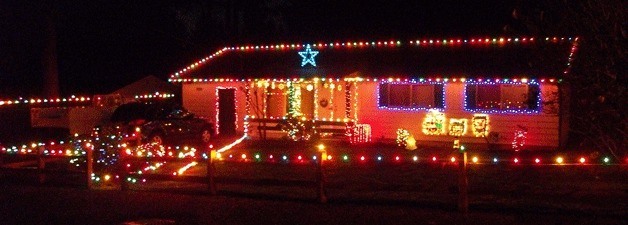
[[133, 111], [148, 111], [179, 113]]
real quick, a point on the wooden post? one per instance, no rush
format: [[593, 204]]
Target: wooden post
[[90, 166], [463, 198], [123, 173], [41, 165], [320, 177], [210, 172], [1, 159]]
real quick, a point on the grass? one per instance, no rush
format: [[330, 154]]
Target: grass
[[359, 193]]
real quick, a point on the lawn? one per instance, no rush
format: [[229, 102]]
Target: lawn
[[369, 191]]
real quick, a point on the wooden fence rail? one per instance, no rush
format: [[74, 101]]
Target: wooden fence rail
[[29, 164], [211, 180]]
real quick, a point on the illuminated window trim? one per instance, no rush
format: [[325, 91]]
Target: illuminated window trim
[[410, 108], [537, 109]]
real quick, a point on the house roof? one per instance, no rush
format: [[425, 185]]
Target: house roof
[[147, 85], [487, 57]]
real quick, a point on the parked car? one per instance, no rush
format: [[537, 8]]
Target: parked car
[[157, 122]]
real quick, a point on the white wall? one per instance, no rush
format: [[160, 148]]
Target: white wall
[[542, 127], [200, 99]]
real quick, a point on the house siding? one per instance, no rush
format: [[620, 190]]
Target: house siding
[[543, 127], [200, 99]]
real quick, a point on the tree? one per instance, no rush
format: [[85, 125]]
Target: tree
[[597, 82]]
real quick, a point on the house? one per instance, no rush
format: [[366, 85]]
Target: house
[[81, 119], [149, 85], [501, 91]]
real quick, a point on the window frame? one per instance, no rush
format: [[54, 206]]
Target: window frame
[[533, 98], [437, 87]]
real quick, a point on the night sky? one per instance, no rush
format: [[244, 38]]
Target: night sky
[[104, 45]]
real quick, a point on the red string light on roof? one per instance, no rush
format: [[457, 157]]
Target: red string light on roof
[[357, 44]]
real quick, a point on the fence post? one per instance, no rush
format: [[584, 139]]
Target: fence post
[[463, 184], [2, 159], [90, 166], [320, 175], [41, 165], [122, 171], [210, 172]]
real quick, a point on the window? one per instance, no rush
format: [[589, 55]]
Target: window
[[502, 97], [411, 96]]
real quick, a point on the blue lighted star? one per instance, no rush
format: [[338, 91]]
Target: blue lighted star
[[308, 56]]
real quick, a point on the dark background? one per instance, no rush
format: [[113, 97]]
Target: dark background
[[104, 45]]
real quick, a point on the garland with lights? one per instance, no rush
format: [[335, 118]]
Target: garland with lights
[[294, 123]]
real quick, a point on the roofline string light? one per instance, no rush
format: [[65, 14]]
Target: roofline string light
[[155, 95], [176, 77], [72, 99], [443, 79], [40, 101]]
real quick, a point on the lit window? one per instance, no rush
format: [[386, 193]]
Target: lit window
[[502, 97], [401, 96]]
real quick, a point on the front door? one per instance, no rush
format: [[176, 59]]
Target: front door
[[226, 111]]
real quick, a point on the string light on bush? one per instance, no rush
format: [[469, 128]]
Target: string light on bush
[[519, 138], [402, 137]]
